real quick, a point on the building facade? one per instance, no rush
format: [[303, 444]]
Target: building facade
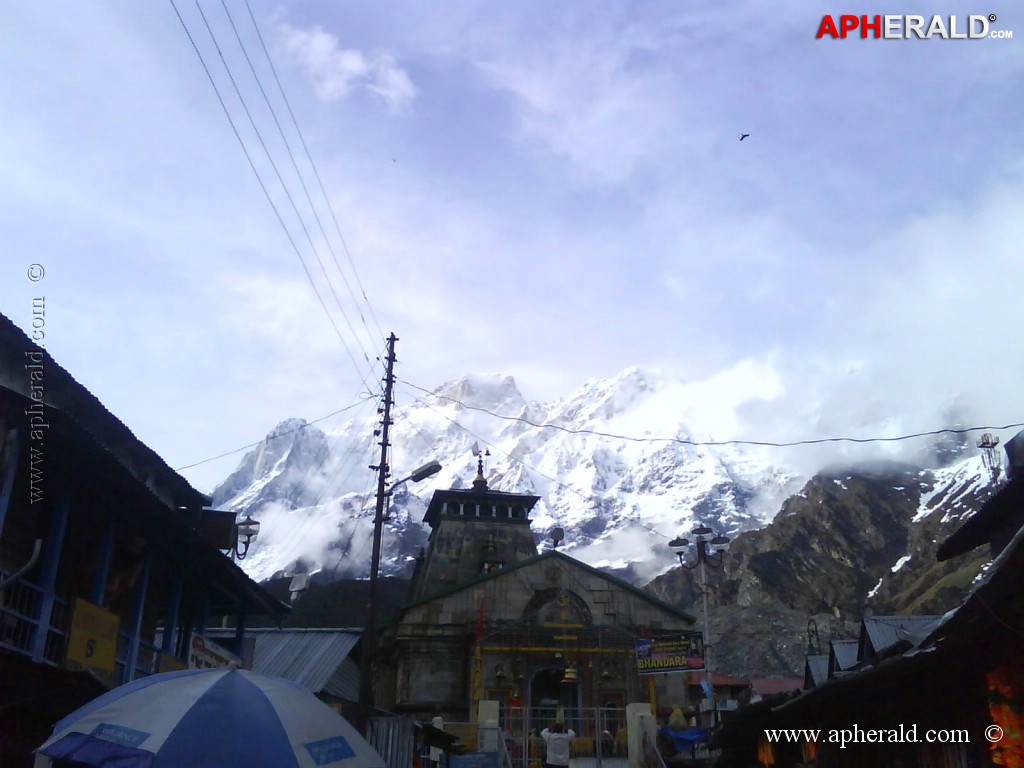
[[108, 571], [492, 619]]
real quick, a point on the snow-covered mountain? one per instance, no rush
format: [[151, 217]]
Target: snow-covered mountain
[[619, 500]]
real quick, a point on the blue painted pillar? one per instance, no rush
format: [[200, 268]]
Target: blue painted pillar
[[173, 609], [48, 574], [8, 480], [240, 630], [138, 606], [199, 624], [102, 573]]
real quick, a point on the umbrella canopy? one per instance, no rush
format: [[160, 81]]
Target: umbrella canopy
[[208, 718]]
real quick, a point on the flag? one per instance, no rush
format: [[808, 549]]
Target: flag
[[475, 450], [480, 622]]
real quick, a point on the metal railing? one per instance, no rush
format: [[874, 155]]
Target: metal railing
[[599, 736], [394, 738], [21, 603]]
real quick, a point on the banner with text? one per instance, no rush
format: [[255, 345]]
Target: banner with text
[[678, 652]]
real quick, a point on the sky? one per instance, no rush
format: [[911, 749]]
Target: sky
[[555, 191]]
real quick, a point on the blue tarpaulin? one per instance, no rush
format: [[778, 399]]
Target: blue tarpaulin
[[683, 740]]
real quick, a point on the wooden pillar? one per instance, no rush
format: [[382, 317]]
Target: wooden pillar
[[102, 572], [167, 644], [240, 630], [12, 442], [48, 574], [138, 607]]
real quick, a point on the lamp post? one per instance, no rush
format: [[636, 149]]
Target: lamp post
[[711, 551], [246, 532], [370, 632]]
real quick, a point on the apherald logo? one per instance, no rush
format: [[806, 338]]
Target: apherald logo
[[904, 27]]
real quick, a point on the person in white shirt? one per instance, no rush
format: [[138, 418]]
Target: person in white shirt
[[436, 753], [558, 742]]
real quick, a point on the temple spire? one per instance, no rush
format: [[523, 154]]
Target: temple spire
[[480, 482]]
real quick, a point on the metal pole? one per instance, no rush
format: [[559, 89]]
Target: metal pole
[[701, 563], [369, 649]]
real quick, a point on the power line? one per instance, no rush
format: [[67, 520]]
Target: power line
[[591, 499], [316, 175], [302, 183], [284, 186], [259, 178], [716, 443], [274, 437]]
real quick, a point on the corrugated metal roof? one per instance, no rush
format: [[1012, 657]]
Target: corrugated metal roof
[[818, 667], [886, 631], [345, 682], [845, 653], [309, 657]]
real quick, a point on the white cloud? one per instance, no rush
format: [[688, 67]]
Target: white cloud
[[335, 71]]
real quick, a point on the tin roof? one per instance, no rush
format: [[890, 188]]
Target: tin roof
[[312, 658], [845, 653], [884, 632], [816, 667]]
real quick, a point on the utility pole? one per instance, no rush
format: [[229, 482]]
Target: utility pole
[[369, 649]]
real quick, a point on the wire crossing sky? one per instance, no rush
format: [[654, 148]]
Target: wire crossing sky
[[556, 192]]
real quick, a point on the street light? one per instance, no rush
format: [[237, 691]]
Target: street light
[[429, 469], [246, 532], [711, 551]]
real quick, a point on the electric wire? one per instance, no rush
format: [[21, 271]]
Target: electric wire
[[284, 186], [316, 174], [299, 532], [717, 443], [302, 181], [275, 437], [263, 186], [600, 503], [344, 462]]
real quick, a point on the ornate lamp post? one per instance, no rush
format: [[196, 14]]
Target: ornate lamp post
[[711, 549], [246, 532]]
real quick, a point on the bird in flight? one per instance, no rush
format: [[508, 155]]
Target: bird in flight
[[743, 136]]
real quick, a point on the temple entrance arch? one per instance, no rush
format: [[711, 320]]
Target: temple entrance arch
[[552, 698]]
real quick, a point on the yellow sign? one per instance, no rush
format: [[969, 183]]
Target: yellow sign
[[169, 663], [92, 641]]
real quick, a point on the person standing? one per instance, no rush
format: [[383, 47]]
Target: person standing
[[559, 743], [436, 752]]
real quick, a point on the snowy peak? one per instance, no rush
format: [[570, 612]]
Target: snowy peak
[[619, 500], [276, 469], [494, 392]]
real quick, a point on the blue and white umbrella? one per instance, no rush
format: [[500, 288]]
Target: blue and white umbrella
[[208, 718]]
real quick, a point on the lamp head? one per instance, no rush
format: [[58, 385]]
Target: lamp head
[[429, 469], [703, 533]]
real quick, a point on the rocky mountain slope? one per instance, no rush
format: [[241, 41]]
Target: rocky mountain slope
[[850, 543]]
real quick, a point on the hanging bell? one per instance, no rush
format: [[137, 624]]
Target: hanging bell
[[570, 675]]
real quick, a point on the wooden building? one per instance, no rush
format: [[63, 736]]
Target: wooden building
[[491, 619], [107, 570]]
